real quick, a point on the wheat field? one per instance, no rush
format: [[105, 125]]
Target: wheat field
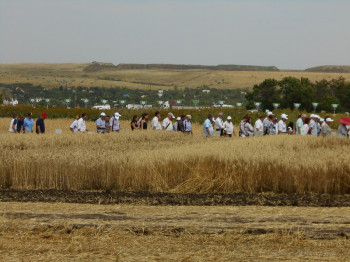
[[72, 75], [172, 162]]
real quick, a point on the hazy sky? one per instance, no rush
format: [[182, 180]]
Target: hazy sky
[[293, 34]]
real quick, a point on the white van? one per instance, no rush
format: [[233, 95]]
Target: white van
[[102, 107]]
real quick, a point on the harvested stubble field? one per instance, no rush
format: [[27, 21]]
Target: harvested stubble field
[[115, 169], [75, 232]]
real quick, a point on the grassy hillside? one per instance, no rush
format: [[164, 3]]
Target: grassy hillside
[[329, 69], [75, 74]]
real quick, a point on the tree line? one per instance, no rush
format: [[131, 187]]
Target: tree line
[[291, 90]]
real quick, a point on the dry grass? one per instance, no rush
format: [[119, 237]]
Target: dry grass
[[172, 162], [54, 75], [151, 235]]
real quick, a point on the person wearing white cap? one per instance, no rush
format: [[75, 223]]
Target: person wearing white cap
[[114, 122], [176, 124], [281, 126], [259, 126], [228, 127], [313, 125], [326, 129], [219, 125], [188, 125], [167, 122], [320, 123], [101, 123], [269, 113]]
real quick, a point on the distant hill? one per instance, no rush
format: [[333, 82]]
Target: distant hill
[[329, 69], [197, 67], [96, 67]]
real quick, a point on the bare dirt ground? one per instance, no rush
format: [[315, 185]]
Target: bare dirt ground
[[147, 198], [90, 232]]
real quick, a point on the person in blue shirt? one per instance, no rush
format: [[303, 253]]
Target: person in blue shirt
[[101, 123], [40, 124], [208, 126], [28, 124]]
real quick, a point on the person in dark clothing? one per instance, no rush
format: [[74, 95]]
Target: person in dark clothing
[[134, 123], [40, 124], [143, 122], [180, 126], [20, 123]]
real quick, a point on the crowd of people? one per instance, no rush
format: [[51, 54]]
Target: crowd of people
[[107, 124], [19, 124], [270, 125], [12, 101], [267, 124]]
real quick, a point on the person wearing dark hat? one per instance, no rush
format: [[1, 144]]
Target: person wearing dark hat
[[28, 124], [40, 124]]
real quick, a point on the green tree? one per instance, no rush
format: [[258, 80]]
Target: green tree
[[294, 90], [265, 92]]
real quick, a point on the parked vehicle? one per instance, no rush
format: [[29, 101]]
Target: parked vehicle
[[102, 107]]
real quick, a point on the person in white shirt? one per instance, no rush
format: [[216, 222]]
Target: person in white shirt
[[326, 129], [313, 125], [259, 126], [13, 124], [74, 126], [228, 127], [269, 113], [305, 129], [219, 125], [167, 123], [14, 102], [299, 124], [81, 123], [281, 126], [5, 102], [155, 121]]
